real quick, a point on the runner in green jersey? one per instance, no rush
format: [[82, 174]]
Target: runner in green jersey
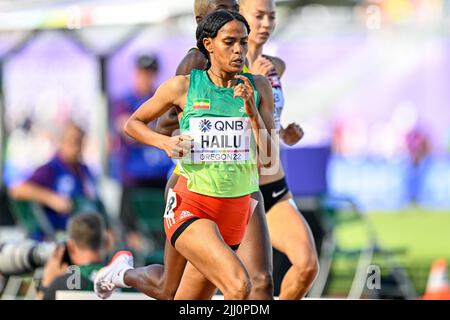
[[204, 228]]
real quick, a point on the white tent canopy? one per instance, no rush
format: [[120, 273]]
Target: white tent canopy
[[15, 15]]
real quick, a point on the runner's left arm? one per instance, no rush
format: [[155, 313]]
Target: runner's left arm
[[293, 133]]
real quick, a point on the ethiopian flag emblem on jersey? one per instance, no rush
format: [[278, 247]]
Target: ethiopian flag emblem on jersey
[[202, 103]]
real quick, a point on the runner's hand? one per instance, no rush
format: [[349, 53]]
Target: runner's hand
[[292, 134], [246, 92], [177, 147], [261, 66]]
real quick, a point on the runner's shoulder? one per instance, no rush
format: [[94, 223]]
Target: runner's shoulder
[[194, 59], [261, 82], [178, 85]]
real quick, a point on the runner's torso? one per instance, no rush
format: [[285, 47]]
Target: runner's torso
[[223, 158]]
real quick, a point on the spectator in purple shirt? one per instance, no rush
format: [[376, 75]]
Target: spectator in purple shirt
[[419, 149], [60, 183]]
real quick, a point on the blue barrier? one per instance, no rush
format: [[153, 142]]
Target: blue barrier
[[374, 184]]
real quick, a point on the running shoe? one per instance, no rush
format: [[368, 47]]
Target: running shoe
[[111, 277]]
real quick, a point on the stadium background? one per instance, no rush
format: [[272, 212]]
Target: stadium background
[[361, 76]]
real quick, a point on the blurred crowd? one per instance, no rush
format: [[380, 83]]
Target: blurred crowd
[[59, 203]]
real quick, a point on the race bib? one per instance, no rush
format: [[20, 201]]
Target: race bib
[[224, 139], [169, 214]]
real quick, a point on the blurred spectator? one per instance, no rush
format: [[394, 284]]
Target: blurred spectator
[[139, 166], [84, 250], [418, 146], [62, 185]]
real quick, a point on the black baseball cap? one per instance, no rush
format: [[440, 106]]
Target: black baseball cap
[[147, 62]]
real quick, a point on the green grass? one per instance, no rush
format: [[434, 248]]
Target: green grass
[[424, 234]]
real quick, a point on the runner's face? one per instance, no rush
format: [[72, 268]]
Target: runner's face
[[261, 16], [216, 5], [229, 48]]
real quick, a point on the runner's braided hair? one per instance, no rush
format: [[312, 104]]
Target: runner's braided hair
[[210, 26]]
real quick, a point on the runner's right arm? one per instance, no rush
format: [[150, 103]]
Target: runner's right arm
[[171, 93]]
